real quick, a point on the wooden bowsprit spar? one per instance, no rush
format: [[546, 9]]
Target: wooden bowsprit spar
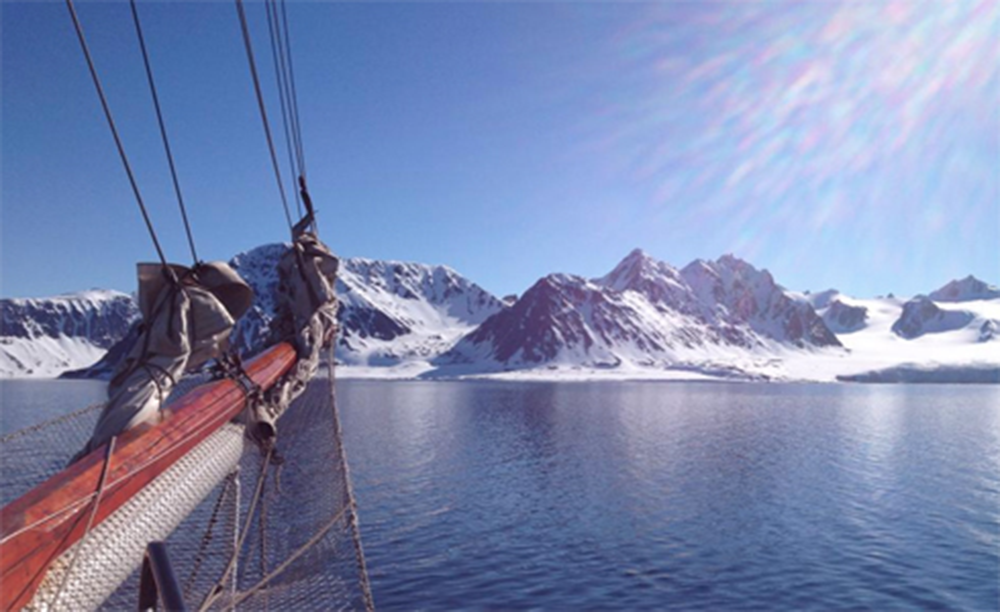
[[45, 522]]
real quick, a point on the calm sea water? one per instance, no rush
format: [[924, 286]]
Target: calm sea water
[[651, 495], [689, 496], [25, 402]]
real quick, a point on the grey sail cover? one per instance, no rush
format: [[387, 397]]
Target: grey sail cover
[[185, 323]]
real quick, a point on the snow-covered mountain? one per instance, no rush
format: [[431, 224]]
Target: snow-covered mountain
[[922, 316], [645, 319], [647, 313], [564, 319], [394, 311], [916, 340], [390, 311], [45, 336], [964, 290], [965, 311]]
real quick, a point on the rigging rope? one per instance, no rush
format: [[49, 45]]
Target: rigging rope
[[280, 76], [206, 539], [297, 125], [352, 504], [163, 129], [214, 594], [294, 94], [281, 52], [118, 141], [261, 107]]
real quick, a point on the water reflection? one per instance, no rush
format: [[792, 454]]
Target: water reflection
[[645, 495]]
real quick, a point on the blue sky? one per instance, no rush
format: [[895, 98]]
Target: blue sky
[[851, 145]]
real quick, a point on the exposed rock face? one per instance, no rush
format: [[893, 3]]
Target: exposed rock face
[[101, 317], [659, 282], [259, 268], [43, 337], [922, 316], [990, 330], [562, 318], [968, 288], [842, 318], [645, 311], [822, 299], [736, 293]]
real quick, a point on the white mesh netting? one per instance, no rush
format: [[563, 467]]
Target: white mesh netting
[[301, 549]]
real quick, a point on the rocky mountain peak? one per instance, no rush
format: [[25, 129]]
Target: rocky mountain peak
[[921, 316], [965, 289], [844, 318]]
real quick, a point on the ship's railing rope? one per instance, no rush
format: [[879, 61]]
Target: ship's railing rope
[[262, 523], [347, 512], [163, 130], [307, 560], [262, 108], [154, 456], [284, 70], [113, 549]]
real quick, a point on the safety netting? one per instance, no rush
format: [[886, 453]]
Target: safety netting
[[278, 530]]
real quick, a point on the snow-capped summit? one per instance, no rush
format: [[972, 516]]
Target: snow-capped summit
[[644, 318], [740, 303], [660, 282], [964, 290], [453, 295], [645, 312], [731, 291], [392, 311], [564, 319], [389, 310]]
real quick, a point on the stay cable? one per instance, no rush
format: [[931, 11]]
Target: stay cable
[[263, 110], [114, 132], [163, 130]]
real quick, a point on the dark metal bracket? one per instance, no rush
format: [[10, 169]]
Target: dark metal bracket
[[158, 581]]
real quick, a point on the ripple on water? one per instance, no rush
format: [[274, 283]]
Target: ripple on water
[[698, 496]]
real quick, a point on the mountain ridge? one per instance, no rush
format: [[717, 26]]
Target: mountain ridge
[[404, 319]]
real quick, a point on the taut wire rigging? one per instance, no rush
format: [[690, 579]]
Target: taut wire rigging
[[262, 108], [118, 141], [163, 130]]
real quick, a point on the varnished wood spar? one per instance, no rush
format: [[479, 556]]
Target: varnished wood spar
[[43, 523]]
